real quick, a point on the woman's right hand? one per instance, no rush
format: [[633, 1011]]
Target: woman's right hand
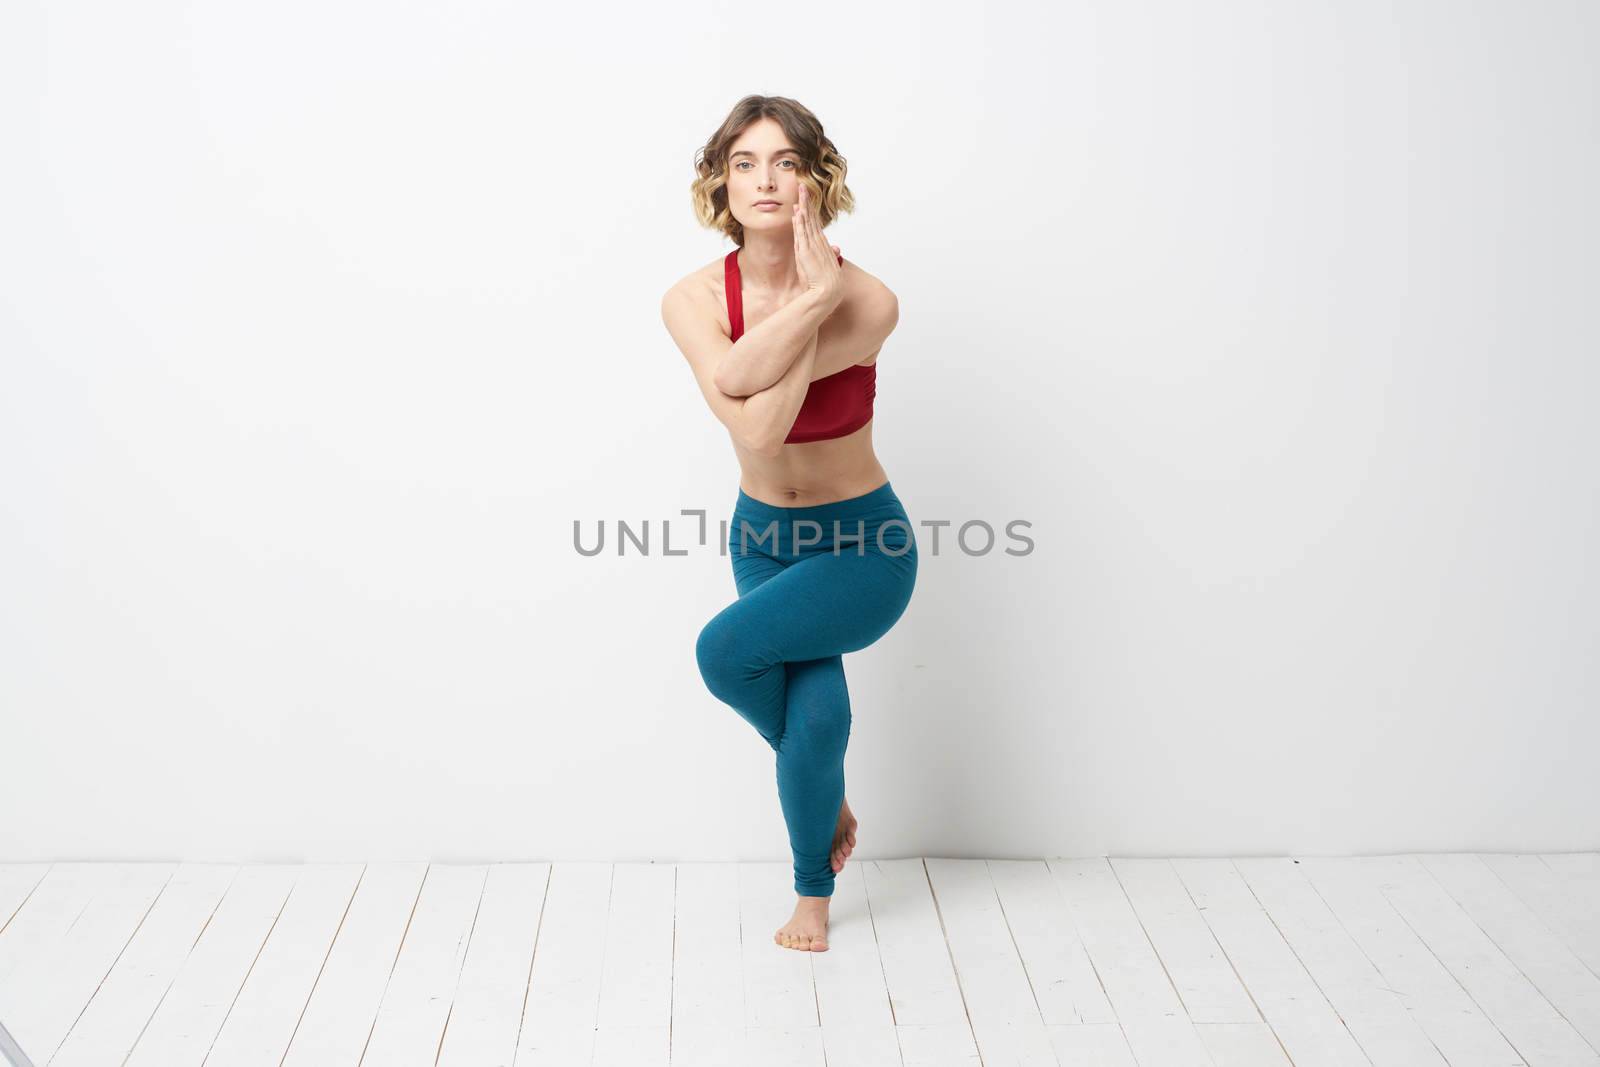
[[815, 260]]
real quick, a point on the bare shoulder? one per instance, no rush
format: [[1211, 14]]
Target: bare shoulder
[[703, 279], [699, 294], [694, 311]]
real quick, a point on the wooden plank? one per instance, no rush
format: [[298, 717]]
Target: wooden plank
[[1048, 942], [1525, 939], [785, 1046], [852, 994], [1375, 1015], [1153, 1019], [1288, 997], [1557, 898], [708, 969], [1092, 1044], [343, 1005], [1529, 1022], [923, 990], [1135, 982], [411, 1018], [1000, 1001], [269, 1006], [1349, 886], [634, 1014], [483, 1023], [558, 1020], [931, 1024], [937, 1044], [1211, 992], [1242, 1045], [186, 1020], [1166, 1041], [17, 881], [48, 913], [782, 1020], [123, 1004], [43, 999]]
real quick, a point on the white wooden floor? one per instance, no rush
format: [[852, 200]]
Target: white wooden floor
[[1396, 960]]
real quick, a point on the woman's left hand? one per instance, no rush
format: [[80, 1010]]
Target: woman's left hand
[[816, 261]]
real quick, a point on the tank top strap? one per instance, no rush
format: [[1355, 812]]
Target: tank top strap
[[732, 286]]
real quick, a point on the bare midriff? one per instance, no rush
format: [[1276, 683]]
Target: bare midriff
[[813, 472]]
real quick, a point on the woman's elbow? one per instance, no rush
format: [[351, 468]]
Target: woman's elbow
[[727, 383]]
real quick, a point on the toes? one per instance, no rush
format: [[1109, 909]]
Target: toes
[[802, 942]]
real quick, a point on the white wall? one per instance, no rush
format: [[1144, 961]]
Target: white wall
[[321, 323]]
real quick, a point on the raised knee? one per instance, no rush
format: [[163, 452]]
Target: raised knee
[[716, 650]]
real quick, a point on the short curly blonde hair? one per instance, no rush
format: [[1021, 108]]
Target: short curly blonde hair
[[822, 169]]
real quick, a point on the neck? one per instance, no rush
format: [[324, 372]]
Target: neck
[[767, 261]]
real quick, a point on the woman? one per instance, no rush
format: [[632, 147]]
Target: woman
[[783, 337]]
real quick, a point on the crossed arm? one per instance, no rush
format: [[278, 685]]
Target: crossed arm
[[785, 353], [846, 335]]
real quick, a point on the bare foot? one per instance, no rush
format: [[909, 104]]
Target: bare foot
[[807, 931], [844, 837]]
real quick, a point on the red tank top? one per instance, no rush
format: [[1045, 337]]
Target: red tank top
[[834, 406]]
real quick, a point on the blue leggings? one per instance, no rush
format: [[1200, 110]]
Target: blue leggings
[[814, 583]]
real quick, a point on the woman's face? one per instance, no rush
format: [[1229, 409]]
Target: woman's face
[[763, 166]]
